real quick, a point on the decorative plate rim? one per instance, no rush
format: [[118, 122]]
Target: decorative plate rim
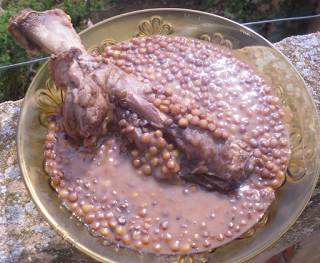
[[49, 218]]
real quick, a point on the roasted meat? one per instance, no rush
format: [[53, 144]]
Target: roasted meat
[[98, 93]]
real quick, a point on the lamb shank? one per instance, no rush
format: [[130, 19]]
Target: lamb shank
[[98, 94]]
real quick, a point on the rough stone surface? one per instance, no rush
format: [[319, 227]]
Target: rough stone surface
[[26, 237], [304, 54]]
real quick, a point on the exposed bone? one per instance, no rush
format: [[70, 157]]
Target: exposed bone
[[95, 88]]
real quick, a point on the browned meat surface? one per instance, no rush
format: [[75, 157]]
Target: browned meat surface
[[86, 104], [208, 159], [99, 93], [95, 89]]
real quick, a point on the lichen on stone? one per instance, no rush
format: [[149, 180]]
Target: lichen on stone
[[22, 229], [304, 53]]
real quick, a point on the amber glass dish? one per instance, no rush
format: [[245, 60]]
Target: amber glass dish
[[291, 198]]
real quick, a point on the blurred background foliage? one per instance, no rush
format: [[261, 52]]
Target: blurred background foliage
[[15, 81]]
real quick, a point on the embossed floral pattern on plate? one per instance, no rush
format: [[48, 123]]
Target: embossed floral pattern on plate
[[50, 97]]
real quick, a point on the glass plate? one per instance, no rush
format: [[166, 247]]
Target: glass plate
[[303, 171]]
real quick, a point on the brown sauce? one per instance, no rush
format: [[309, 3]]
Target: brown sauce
[[112, 190]]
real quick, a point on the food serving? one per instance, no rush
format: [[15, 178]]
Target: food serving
[[191, 119]]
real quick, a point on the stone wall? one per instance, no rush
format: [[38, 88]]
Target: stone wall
[[26, 237]]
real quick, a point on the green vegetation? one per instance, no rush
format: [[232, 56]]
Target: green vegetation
[[15, 81], [257, 10]]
